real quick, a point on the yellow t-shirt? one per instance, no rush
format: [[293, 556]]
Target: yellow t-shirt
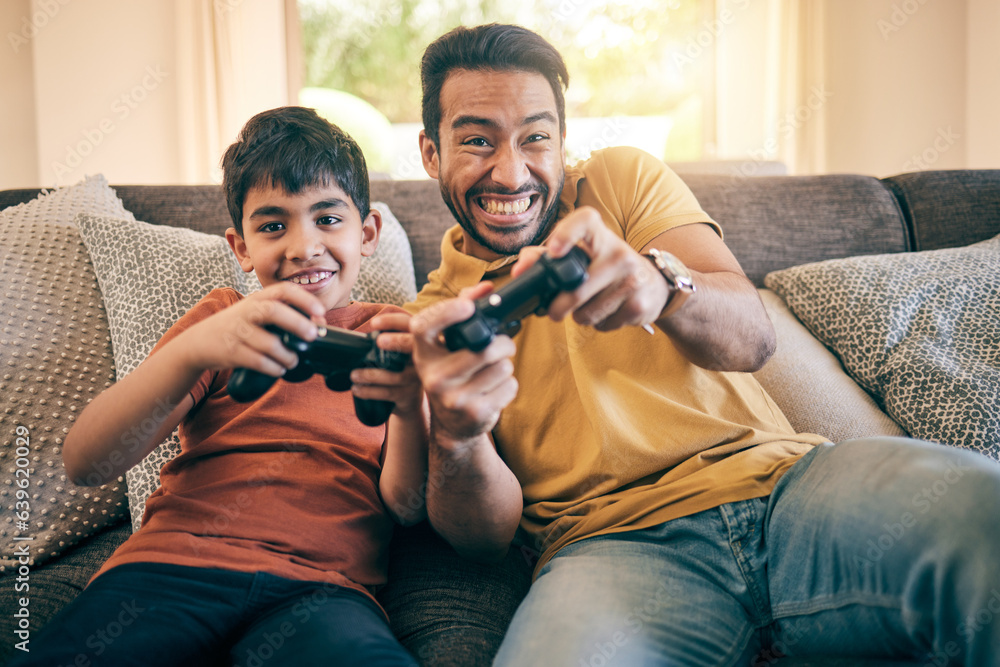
[[618, 431]]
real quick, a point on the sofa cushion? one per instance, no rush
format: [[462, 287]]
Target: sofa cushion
[[54, 586], [150, 275], [56, 357], [810, 385], [919, 331]]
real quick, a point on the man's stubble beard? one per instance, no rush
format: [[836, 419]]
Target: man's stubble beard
[[468, 225]]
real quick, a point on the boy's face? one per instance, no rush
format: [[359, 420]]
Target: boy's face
[[315, 238]]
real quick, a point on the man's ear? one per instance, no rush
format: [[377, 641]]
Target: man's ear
[[239, 247], [371, 227], [429, 154]]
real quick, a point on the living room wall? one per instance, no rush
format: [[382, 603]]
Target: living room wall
[[910, 79]]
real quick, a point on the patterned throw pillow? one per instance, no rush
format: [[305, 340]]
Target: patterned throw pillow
[[918, 330], [55, 355], [150, 275]]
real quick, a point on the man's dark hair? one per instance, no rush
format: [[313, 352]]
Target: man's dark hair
[[292, 148], [495, 47]]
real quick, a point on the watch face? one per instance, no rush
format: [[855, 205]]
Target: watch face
[[676, 267], [673, 269]]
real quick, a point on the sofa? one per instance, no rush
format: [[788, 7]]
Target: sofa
[[836, 258]]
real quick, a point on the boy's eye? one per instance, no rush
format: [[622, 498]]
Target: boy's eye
[[327, 220], [271, 227]]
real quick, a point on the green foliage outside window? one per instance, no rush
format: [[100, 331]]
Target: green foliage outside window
[[625, 57]]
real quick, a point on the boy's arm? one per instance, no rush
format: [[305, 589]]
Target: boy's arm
[[126, 421], [403, 479], [403, 482]]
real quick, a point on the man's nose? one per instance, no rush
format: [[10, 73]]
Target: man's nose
[[510, 168]]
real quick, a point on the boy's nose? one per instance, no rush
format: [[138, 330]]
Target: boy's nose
[[304, 245], [509, 169]]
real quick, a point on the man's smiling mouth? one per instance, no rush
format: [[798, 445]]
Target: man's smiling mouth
[[495, 206]]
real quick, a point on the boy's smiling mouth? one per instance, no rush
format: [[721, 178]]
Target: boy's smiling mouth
[[309, 277]]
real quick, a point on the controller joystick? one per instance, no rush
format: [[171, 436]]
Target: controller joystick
[[334, 354], [530, 293]]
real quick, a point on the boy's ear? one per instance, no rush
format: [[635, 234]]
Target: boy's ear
[[429, 155], [239, 247], [371, 227]]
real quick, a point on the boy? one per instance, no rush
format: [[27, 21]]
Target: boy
[[267, 535]]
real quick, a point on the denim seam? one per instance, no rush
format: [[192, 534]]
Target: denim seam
[[827, 603], [763, 613]]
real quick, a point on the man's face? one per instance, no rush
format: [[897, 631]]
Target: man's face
[[500, 161]]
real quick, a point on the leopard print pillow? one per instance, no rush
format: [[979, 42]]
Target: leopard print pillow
[[150, 275], [917, 330]]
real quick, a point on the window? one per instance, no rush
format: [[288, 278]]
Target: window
[[640, 72]]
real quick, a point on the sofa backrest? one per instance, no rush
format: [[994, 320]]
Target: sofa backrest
[[770, 222], [949, 208]]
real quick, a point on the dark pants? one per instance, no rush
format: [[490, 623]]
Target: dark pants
[[153, 614]]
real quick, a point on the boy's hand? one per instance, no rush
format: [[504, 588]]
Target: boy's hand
[[236, 337], [402, 388]]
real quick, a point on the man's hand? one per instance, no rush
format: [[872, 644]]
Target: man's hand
[[622, 288], [723, 326], [467, 390]]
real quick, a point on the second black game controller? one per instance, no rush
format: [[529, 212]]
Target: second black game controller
[[530, 293], [334, 354]]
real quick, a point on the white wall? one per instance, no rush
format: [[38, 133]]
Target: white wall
[[97, 87], [983, 83], [897, 73], [18, 136], [105, 98]]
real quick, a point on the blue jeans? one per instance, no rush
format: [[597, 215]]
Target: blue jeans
[[152, 614], [882, 547]]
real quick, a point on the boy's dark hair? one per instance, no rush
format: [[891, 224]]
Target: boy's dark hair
[[292, 148], [492, 46]]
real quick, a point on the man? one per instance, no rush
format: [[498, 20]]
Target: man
[[677, 516]]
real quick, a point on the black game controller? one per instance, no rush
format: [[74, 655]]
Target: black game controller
[[334, 354], [531, 292]]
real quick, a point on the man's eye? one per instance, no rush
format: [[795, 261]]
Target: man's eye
[[534, 138], [476, 141]]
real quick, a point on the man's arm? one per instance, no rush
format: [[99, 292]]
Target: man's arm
[[473, 498], [722, 326]]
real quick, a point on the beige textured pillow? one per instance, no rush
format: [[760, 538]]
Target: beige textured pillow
[[807, 381], [55, 356]]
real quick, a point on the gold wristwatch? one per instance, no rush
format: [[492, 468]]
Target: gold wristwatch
[[678, 279]]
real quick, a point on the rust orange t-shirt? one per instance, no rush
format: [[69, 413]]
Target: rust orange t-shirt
[[286, 484]]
